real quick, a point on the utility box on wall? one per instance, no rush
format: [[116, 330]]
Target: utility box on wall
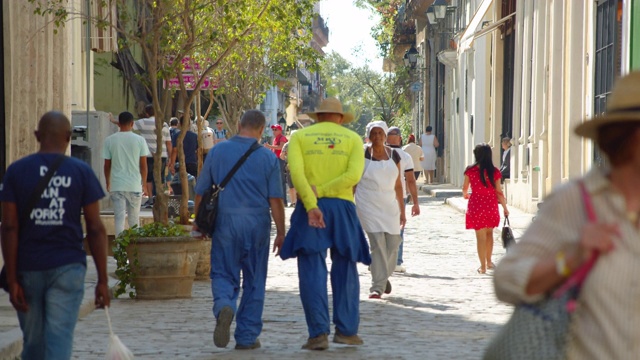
[[89, 129]]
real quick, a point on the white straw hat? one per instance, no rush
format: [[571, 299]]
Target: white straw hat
[[333, 106]]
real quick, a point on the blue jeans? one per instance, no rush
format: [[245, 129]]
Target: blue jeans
[[125, 201], [400, 249], [54, 297]]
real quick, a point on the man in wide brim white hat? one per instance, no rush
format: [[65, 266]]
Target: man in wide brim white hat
[[326, 161], [623, 105], [331, 106]]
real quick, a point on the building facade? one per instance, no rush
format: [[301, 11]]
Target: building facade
[[528, 70]]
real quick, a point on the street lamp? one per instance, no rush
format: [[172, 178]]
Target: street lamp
[[282, 122], [431, 16], [440, 9], [411, 57]]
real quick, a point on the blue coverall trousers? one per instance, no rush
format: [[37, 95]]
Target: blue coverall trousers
[[241, 243], [312, 273]]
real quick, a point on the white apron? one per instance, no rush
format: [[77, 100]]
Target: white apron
[[376, 202]]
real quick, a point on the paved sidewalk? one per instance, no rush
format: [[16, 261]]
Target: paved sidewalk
[[440, 309]]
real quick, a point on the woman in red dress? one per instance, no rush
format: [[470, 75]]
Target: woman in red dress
[[482, 210]]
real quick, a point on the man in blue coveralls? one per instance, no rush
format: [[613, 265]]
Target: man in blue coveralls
[[243, 225]]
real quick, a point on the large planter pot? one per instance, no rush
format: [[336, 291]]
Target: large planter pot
[[203, 268], [166, 266]]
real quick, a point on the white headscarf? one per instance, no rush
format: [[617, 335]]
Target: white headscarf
[[379, 124]]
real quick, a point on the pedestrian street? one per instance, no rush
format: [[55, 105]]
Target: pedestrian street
[[439, 309]]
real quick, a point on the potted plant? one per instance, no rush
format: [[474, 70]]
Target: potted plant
[[156, 261]]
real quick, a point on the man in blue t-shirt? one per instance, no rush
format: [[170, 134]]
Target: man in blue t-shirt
[[190, 146], [125, 165], [42, 247], [243, 227]]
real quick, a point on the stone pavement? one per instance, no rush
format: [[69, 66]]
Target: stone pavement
[[440, 309]]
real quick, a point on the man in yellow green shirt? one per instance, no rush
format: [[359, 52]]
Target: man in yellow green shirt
[[326, 161]]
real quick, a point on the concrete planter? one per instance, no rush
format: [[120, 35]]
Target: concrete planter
[[167, 266], [204, 260], [203, 268]]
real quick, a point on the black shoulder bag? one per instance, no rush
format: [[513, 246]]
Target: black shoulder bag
[[208, 207], [33, 200]]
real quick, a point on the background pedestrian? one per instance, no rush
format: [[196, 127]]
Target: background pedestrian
[[416, 155], [125, 171], [482, 210], [429, 143]]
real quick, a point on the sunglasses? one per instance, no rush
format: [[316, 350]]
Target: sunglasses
[[219, 123], [393, 133]]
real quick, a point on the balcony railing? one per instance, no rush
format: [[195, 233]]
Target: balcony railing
[[405, 33], [320, 31]]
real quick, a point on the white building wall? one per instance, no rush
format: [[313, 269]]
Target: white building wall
[[552, 95]]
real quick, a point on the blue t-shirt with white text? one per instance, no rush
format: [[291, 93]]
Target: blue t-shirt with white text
[[51, 236]]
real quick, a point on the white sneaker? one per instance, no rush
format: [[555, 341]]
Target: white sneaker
[[400, 269]]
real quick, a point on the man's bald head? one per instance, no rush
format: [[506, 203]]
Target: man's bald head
[[54, 130]]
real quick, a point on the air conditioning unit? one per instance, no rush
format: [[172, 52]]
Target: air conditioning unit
[[89, 129]]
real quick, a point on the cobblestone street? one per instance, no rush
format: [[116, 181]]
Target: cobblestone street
[[440, 309]]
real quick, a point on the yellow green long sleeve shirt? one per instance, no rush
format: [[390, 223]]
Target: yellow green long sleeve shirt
[[328, 156]]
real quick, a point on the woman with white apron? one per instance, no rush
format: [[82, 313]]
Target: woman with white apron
[[380, 207]]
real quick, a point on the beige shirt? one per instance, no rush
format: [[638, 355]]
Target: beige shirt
[[606, 324], [416, 153]]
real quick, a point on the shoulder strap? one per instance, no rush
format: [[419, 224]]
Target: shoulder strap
[[37, 192], [235, 168], [580, 274]]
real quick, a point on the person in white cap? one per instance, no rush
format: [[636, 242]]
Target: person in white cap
[[380, 206]]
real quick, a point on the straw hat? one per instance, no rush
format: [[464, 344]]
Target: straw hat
[[623, 105], [333, 106]]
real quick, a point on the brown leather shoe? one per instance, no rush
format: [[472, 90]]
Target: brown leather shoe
[[320, 342], [347, 340], [255, 345]]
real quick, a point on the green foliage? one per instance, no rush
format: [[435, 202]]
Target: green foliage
[[279, 43], [404, 123], [125, 267], [369, 95], [237, 45], [383, 32]]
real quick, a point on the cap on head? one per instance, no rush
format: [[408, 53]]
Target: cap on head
[[276, 127], [395, 130]]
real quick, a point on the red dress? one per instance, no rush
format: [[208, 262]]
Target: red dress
[[482, 210]]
